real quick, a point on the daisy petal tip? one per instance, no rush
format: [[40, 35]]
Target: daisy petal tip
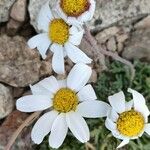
[[36, 140], [123, 143]]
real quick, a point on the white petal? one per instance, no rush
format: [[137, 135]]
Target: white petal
[[113, 115], [62, 83], [36, 42], [33, 103], [117, 101], [76, 38], [58, 132], [76, 55], [147, 128], [110, 125], [78, 126], [139, 102], [78, 76], [44, 17], [73, 30], [60, 11], [87, 93], [123, 143], [88, 15], [129, 105], [50, 84], [40, 90], [93, 109], [117, 135], [74, 21], [58, 58], [43, 126]]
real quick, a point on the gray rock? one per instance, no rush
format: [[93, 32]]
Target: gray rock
[[144, 23], [114, 37], [19, 65], [112, 44], [5, 9], [138, 47], [109, 12], [6, 101]]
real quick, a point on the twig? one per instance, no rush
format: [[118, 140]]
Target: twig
[[26, 123], [100, 51], [89, 146], [99, 56]]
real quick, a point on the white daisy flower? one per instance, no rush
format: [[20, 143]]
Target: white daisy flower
[[60, 37], [128, 120], [76, 11], [69, 100]]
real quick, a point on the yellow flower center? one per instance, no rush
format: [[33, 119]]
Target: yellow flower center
[[130, 123], [58, 31], [65, 100], [74, 8]]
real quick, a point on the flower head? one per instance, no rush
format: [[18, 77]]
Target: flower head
[[76, 11], [127, 120], [60, 37], [69, 100]]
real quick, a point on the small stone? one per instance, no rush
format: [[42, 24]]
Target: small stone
[[104, 35], [138, 47], [145, 23], [120, 47], [17, 92], [86, 48], [46, 68], [61, 77], [122, 37], [6, 101], [19, 65], [13, 26], [111, 44], [5, 6], [93, 78], [18, 11]]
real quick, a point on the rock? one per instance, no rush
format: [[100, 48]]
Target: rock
[[13, 26], [122, 37], [104, 35], [9, 126], [145, 23], [86, 47], [19, 65], [138, 47], [34, 8], [18, 11], [109, 12], [114, 37], [17, 92], [111, 44], [6, 101], [93, 78], [5, 6], [46, 68]]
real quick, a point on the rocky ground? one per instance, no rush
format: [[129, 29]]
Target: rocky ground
[[121, 27]]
